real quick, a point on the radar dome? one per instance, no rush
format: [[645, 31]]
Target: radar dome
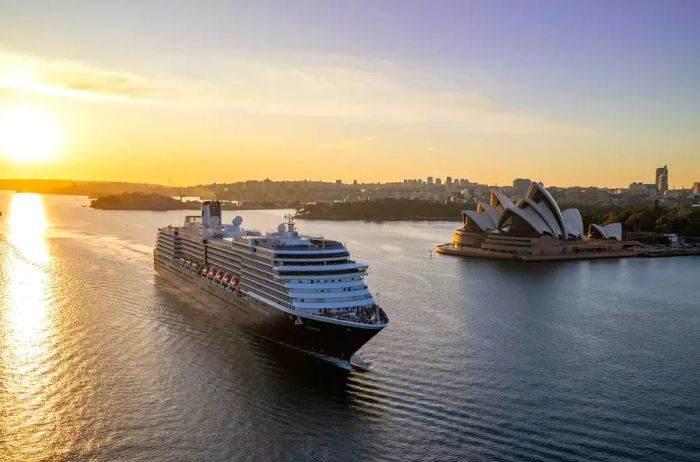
[[237, 221], [281, 228]]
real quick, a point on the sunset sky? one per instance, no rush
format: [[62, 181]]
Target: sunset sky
[[569, 93]]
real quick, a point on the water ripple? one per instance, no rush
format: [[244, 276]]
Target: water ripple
[[103, 361]]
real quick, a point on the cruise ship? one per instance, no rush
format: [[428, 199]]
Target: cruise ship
[[298, 290]]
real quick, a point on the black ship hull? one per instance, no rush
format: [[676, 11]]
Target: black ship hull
[[324, 338]]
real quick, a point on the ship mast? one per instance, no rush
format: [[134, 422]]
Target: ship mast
[[290, 221]]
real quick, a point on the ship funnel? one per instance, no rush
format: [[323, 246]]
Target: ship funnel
[[211, 209], [215, 209]]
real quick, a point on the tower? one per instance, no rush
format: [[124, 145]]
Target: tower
[[662, 179]]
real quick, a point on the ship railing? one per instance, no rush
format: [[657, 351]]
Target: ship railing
[[363, 315], [168, 229], [312, 246]]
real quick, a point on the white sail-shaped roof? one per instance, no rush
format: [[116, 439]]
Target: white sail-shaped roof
[[537, 213], [481, 220], [573, 223], [537, 193], [514, 217], [546, 214], [499, 198], [611, 231], [493, 212], [596, 231]]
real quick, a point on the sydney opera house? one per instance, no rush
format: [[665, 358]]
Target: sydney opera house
[[531, 228]]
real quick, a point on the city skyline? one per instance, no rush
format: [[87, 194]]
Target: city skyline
[[427, 180], [172, 92]]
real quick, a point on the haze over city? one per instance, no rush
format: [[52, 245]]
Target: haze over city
[[592, 93]]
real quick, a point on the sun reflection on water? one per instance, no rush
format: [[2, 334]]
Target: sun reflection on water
[[26, 330]]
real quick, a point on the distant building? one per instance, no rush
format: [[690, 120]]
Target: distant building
[[662, 179], [585, 196], [448, 181], [696, 188], [678, 193], [520, 186], [642, 189], [430, 181], [438, 181]]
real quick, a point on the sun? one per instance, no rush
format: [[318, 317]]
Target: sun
[[28, 134]]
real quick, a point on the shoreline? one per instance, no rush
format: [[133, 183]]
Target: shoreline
[[135, 209], [452, 219], [654, 252]]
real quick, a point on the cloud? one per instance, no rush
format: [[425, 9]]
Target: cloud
[[349, 143], [372, 90], [47, 76], [297, 85]]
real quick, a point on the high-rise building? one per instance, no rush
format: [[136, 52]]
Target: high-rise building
[[696, 188], [448, 181], [438, 181], [662, 179], [430, 181], [520, 186]]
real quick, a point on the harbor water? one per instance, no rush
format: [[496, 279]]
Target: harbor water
[[482, 360]]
